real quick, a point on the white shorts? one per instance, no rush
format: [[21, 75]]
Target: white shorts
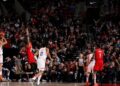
[[41, 65], [1, 59], [90, 67]]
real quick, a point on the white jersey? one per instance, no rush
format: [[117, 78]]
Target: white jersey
[[89, 56], [91, 64], [42, 54], [42, 59], [1, 50]]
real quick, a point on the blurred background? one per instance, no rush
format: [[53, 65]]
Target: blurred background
[[71, 28]]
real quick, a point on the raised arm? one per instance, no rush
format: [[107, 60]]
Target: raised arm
[[28, 37]]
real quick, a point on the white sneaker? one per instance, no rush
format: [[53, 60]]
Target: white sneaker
[[38, 82], [32, 79]]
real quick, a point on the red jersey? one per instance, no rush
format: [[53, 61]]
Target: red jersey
[[30, 54], [99, 55], [98, 60]]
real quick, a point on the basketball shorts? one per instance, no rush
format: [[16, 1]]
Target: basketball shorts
[[98, 66], [90, 67], [1, 59], [41, 65]]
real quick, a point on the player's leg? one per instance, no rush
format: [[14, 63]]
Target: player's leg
[[38, 67], [96, 69], [88, 74], [35, 76], [0, 71], [100, 73], [39, 77], [95, 77], [1, 64], [87, 77]]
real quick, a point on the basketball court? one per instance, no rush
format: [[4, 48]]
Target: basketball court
[[48, 84]]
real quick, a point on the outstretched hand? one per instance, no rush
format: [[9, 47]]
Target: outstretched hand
[[27, 32]]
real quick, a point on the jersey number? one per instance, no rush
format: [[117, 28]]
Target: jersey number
[[100, 54], [41, 53]]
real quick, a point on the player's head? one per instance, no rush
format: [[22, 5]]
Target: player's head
[[25, 41], [98, 45]]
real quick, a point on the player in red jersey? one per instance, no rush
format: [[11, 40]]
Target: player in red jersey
[[30, 54], [99, 54], [27, 50]]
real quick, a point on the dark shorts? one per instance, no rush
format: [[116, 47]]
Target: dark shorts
[[33, 67]]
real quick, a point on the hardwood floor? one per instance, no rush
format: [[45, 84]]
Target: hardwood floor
[[48, 84]]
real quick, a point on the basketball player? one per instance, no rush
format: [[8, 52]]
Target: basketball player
[[42, 54], [29, 52], [90, 65], [3, 41], [99, 53]]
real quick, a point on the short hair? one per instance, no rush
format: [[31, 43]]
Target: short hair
[[98, 45]]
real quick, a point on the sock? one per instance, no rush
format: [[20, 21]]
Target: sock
[[95, 79], [38, 81], [34, 78], [0, 72], [87, 78]]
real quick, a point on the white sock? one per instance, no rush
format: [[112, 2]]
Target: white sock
[[0, 72], [95, 79], [34, 78], [38, 81], [87, 78]]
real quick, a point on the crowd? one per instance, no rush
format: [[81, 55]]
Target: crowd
[[69, 42]]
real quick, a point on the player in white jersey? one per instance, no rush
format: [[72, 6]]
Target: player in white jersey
[[2, 42], [42, 54], [90, 65]]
